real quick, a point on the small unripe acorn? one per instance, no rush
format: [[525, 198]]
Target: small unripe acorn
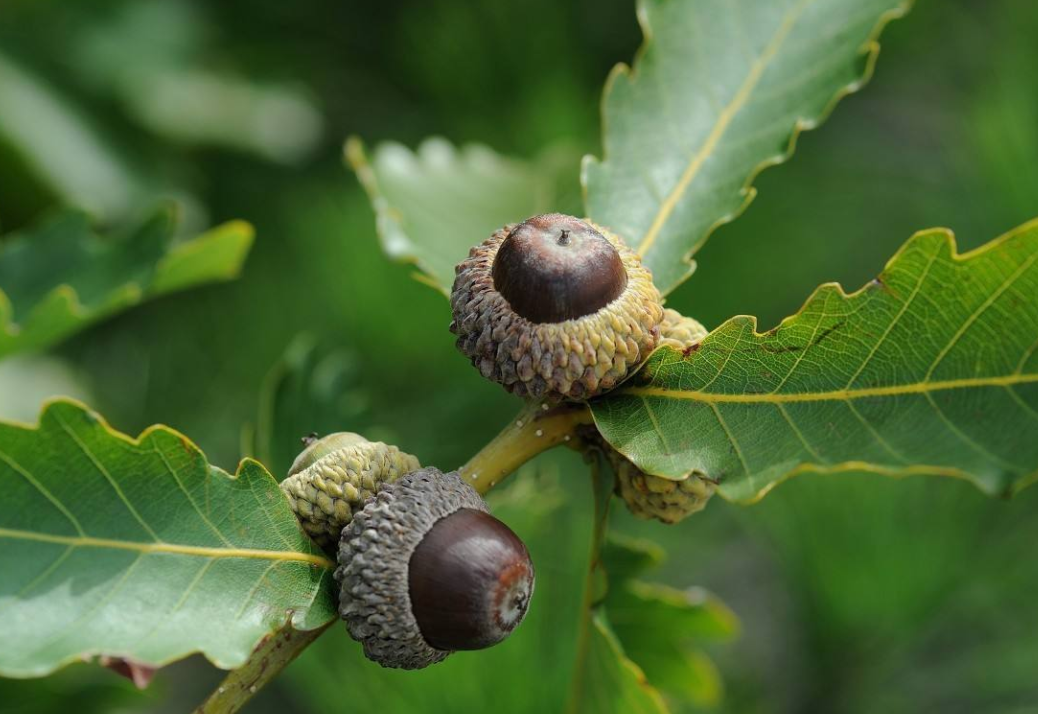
[[555, 307], [679, 331], [666, 500], [647, 496], [334, 476], [425, 570]]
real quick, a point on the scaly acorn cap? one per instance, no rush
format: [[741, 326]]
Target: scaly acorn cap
[[333, 478], [664, 499], [648, 496], [680, 332], [424, 570], [555, 307]]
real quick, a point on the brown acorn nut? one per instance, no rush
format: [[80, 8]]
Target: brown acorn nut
[[555, 307], [334, 476], [425, 570]]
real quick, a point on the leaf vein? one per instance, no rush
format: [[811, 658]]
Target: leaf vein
[[104, 472], [724, 119], [731, 439], [980, 311], [789, 420], [38, 579], [897, 318], [973, 444], [170, 548], [46, 494], [876, 435], [194, 505], [834, 395]]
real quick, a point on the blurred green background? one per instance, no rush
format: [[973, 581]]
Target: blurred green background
[[857, 594]]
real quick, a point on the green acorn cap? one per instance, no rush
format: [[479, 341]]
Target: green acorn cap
[[664, 499], [647, 496], [679, 331], [333, 478]]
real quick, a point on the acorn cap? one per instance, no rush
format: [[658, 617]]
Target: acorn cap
[[647, 496], [318, 447], [425, 570], [666, 500], [333, 478], [555, 307], [679, 331]]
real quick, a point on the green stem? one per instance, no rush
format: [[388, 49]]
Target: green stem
[[537, 428], [595, 582], [266, 662]]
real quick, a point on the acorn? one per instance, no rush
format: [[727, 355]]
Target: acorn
[[679, 331], [647, 496], [555, 307], [335, 476], [666, 500], [425, 570]]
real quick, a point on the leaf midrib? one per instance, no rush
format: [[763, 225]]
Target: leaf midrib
[[168, 548], [926, 387], [723, 121]]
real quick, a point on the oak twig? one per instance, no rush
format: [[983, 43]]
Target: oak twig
[[271, 656], [537, 428]]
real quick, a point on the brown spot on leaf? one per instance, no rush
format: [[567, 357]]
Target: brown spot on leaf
[[690, 349], [826, 332], [781, 349], [881, 283]]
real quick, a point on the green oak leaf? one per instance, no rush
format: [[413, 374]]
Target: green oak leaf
[[140, 549], [433, 205], [661, 628], [605, 678], [627, 558], [719, 91], [59, 277], [613, 682], [931, 368]]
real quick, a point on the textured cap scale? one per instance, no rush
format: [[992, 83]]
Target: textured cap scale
[[666, 500], [335, 476], [648, 496]]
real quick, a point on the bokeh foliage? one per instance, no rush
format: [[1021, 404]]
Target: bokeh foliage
[[929, 611]]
